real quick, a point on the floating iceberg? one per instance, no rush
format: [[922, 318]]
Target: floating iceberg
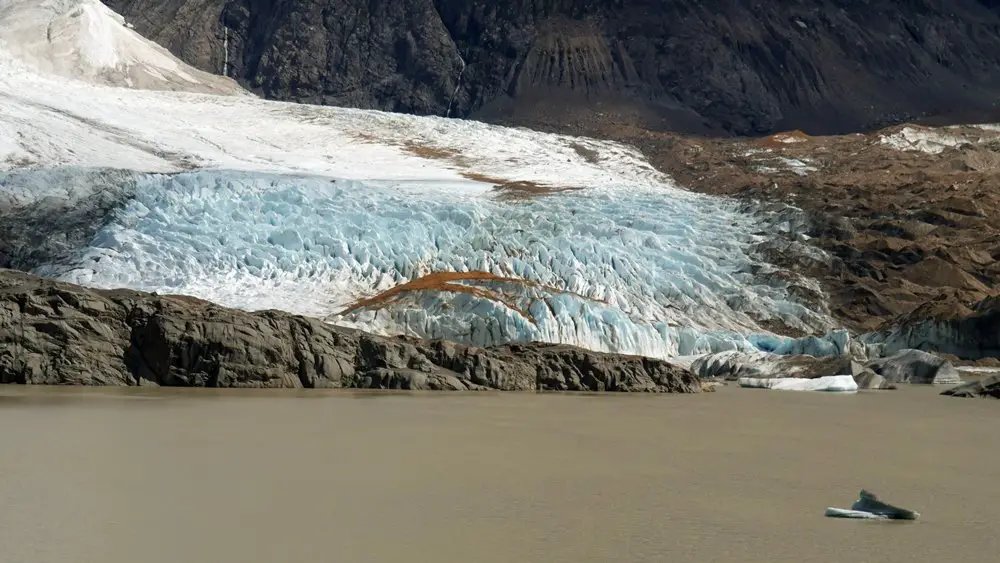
[[869, 507], [829, 383]]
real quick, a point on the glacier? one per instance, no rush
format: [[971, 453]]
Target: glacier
[[206, 190], [657, 274]]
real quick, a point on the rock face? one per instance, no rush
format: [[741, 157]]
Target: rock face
[[968, 333], [915, 366], [986, 387], [726, 66], [56, 333]]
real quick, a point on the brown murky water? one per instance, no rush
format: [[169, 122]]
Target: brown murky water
[[110, 476]]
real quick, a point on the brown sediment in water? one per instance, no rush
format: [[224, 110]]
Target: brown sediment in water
[[733, 476]]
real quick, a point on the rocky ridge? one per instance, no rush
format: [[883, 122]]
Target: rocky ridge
[[57, 333], [62, 334], [712, 67]]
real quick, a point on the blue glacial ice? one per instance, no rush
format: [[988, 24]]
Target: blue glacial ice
[[653, 273]]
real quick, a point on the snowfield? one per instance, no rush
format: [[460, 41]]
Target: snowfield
[[55, 120], [258, 204]]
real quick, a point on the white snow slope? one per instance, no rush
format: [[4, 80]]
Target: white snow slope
[[87, 40], [259, 204]]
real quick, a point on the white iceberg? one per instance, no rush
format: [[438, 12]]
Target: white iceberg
[[830, 383]]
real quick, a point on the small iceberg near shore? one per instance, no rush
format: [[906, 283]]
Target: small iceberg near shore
[[829, 383], [869, 507]]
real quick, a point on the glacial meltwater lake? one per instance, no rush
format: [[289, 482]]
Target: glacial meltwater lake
[[207, 476]]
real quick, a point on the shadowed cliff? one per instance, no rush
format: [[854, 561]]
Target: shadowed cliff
[[715, 66]]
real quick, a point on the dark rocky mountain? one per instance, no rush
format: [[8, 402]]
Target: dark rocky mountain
[[711, 66]]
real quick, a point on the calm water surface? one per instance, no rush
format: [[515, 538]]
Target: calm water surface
[[113, 476]]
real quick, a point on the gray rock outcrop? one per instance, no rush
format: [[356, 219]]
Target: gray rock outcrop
[[945, 327], [906, 366], [57, 333], [985, 387], [868, 379], [915, 366]]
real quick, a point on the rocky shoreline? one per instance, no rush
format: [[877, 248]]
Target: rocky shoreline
[[63, 334], [55, 333]]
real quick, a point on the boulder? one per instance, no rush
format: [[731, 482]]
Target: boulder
[[58, 333], [985, 387], [915, 366], [868, 379]]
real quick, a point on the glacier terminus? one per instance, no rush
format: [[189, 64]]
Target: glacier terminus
[[319, 210]]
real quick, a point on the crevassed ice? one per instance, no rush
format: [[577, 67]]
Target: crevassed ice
[[646, 273]]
